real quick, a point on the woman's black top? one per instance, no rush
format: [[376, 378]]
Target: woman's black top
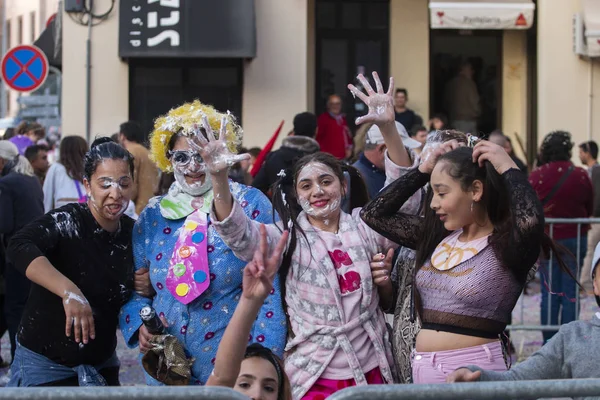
[[100, 263]]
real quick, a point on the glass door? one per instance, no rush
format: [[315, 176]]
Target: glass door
[[352, 36], [158, 85]]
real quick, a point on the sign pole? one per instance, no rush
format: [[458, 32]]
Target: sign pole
[[88, 78], [3, 96]]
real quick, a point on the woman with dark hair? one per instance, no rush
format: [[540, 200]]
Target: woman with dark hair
[[438, 122], [79, 259], [565, 192], [338, 337], [406, 322], [64, 180], [477, 241]]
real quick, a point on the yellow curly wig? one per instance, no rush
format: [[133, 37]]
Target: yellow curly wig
[[184, 120]]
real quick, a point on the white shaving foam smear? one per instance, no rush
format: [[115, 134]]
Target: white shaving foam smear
[[192, 168], [65, 224], [73, 296], [195, 189]]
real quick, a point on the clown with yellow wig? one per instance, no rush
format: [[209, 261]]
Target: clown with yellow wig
[[196, 277]]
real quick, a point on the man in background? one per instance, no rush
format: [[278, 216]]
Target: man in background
[[419, 133], [407, 117], [503, 141], [299, 143], [145, 179], [371, 162], [461, 100], [588, 155], [334, 135], [38, 158]]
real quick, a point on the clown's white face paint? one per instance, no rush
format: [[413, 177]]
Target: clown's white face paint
[[319, 191], [109, 191], [190, 175]]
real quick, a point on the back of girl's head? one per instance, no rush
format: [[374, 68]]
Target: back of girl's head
[[459, 166], [105, 149], [556, 146], [25, 127], [71, 153], [284, 387]]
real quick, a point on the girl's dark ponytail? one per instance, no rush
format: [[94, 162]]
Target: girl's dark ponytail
[[286, 206], [359, 196]]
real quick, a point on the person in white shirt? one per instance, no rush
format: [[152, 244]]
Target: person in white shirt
[[64, 180]]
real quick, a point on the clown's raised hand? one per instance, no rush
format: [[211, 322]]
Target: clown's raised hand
[[380, 103], [214, 152]]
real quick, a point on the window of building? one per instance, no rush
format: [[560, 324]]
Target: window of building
[[351, 36], [482, 49], [156, 85], [32, 25], [20, 30]]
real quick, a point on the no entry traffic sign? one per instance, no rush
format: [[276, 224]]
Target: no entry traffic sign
[[24, 68]]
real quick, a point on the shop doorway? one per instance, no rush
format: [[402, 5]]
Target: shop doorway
[[351, 36], [157, 85], [483, 50]]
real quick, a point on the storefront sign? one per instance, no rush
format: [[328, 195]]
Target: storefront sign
[[187, 28], [481, 15]]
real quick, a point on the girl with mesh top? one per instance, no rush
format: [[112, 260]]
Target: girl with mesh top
[[476, 242]]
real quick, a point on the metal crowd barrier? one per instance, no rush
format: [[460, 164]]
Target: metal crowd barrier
[[122, 393], [572, 388], [553, 221]]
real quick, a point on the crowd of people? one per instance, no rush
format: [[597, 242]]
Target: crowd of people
[[273, 274]]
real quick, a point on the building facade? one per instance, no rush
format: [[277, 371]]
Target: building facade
[[294, 53]]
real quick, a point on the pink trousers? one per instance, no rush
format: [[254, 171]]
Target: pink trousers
[[324, 388], [434, 367]]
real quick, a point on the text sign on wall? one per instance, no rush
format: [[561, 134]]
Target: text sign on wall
[[187, 28]]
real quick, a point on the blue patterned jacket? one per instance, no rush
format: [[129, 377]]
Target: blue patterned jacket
[[200, 325]]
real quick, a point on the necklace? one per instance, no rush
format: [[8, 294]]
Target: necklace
[[448, 255], [449, 251]]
